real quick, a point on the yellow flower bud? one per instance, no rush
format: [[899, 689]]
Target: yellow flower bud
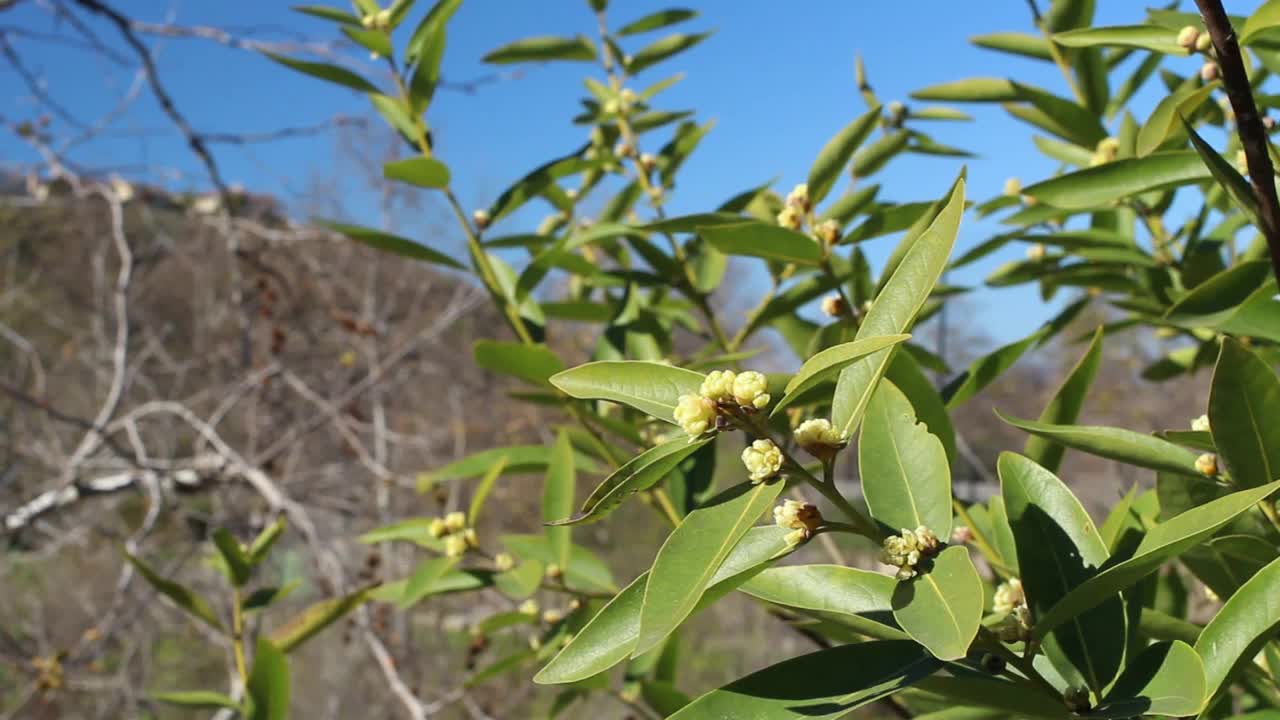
[[1187, 37], [749, 390], [1204, 43], [1013, 187], [455, 546], [471, 538], [481, 218], [799, 516], [503, 562], [718, 385], [1209, 71], [455, 521], [790, 218], [551, 616], [1200, 424], [1207, 465], [437, 528], [1009, 595], [763, 460], [554, 572], [817, 436], [833, 306], [1035, 253], [798, 198], [695, 414], [528, 607], [828, 232]]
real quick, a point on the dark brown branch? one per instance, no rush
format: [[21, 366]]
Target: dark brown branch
[[194, 141], [1253, 135]]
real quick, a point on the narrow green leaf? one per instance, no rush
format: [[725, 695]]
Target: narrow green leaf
[[837, 152], [1161, 543], [906, 479], [870, 159], [585, 571], [327, 72], [657, 20], [538, 181], [262, 544], [1015, 43], [762, 240], [483, 488], [826, 684], [534, 364], [424, 579], [1244, 415], [894, 310], [825, 364], [1238, 189], [941, 608], [421, 171], [978, 89], [1115, 443], [1164, 120], [640, 473], [1144, 37], [181, 595], [1267, 16], [610, 636], [1116, 180], [198, 699], [979, 695], [268, 685], [826, 589], [304, 625], [1058, 548], [542, 49], [651, 388], [233, 555], [392, 243], [691, 555], [660, 50], [1244, 624], [1164, 679], [1064, 408], [557, 499]]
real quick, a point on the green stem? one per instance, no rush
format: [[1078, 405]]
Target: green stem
[[237, 636]]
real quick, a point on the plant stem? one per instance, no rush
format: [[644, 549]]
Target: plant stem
[[1023, 665], [237, 636], [1253, 135]]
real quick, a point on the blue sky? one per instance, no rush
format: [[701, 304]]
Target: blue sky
[[776, 77]]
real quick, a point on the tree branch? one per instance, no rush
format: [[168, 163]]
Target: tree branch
[[1253, 135]]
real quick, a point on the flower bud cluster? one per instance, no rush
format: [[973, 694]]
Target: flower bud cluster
[[797, 208], [458, 538], [721, 390], [909, 549], [1207, 465], [803, 519], [818, 438], [1107, 149], [763, 460]]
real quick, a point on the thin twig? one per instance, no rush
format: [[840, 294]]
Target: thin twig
[[1253, 135]]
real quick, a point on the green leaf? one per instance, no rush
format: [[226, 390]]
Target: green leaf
[[1244, 624], [660, 50], [762, 240], [1016, 43], [875, 156], [421, 171], [1099, 186], [233, 555], [520, 459], [375, 41], [414, 530], [905, 372], [1165, 118], [1165, 679], [181, 595], [1065, 406], [640, 473], [894, 310], [825, 364], [974, 694], [837, 152], [826, 589], [693, 553], [262, 544], [265, 597], [199, 699], [304, 625], [693, 223], [1267, 16], [532, 363], [392, 243], [1244, 415], [557, 499], [905, 476], [327, 72], [649, 387], [825, 684], [1115, 443], [657, 20], [585, 570], [268, 685], [483, 488], [1238, 189], [541, 49], [425, 578], [1144, 37], [538, 181], [325, 12], [1160, 544], [610, 636], [978, 89], [941, 608], [1058, 548]]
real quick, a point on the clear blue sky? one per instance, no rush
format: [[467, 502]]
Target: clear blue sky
[[777, 77]]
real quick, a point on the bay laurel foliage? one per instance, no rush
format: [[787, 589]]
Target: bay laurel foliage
[[1020, 606]]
